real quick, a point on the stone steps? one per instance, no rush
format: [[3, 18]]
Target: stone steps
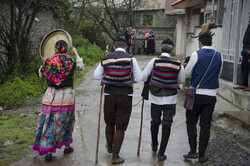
[[238, 97], [232, 111]]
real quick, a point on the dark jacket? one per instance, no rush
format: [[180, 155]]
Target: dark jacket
[[246, 39]]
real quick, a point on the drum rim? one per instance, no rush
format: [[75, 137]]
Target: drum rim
[[47, 35]]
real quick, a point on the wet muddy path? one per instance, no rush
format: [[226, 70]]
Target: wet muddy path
[[85, 133]]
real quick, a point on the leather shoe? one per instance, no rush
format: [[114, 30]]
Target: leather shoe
[[68, 150], [117, 160], [240, 87], [48, 156], [203, 159], [161, 157], [190, 155]]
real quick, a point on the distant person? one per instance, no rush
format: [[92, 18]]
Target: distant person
[[139, 44], [205, 96], [121, 33], [127, 34], [165, 74], [57, 118], [150, 43], [133, 41], [245, 63], [118, 71]]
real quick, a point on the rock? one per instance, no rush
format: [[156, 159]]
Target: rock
[[23, 115], [8, 142]]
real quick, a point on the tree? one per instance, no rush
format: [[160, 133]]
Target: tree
[[17, 18], [110, 14]]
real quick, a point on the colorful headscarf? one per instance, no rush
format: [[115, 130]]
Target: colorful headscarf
[[59, 66], [61, 46]]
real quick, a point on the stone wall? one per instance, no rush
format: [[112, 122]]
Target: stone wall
[[44, 24], [161, 34]]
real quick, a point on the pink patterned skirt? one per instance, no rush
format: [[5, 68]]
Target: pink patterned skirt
[[56, 121]]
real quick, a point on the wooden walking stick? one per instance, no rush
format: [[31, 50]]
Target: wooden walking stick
[[139, 140], [98, 130]]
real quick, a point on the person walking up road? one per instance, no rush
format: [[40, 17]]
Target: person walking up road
[[245, 63], [166, 73], [205, 97], [118, 71], [57, 117]]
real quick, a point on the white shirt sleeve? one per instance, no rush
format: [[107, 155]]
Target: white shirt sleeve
[[181, 76], [221, 64], [39, 71], [137, 75], [147, 70], [99, 72], [192, 62], [79, 63]]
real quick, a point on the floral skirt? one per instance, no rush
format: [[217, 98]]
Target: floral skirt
[[56, 121]]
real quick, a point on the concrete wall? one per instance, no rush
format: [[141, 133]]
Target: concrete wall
[[160, 19], [151, 4], [180, 36], [160, 35], [192, 44], [46, 23], [194, 21]]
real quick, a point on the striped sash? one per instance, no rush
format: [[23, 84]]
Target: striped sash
[[117, 71], [165, 73]]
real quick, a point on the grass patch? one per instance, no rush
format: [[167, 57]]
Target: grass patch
[[79, 92], [78, 76], [18, 130]]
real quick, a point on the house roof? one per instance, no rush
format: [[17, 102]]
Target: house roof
[[182, 4]]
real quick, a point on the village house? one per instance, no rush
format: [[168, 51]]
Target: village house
[[151, 15], [230, 19]]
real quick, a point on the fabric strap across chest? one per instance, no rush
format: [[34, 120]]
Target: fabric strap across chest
[[165, 73], [117, 71]]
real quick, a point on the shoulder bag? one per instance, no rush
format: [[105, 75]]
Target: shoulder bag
[[190, 93]]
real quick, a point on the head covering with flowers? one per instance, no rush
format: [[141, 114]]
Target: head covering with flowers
[[59, 67]]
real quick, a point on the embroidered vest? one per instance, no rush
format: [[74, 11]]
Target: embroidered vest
[[117, 71], [165, 73]]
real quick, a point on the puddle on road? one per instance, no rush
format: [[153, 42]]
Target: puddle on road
[[80, 113], [79, 129]]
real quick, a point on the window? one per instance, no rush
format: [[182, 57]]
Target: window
[[148, 20]]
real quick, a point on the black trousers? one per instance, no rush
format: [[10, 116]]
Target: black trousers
[[203, 109], [168, 111], [117, 111], [245, 67]]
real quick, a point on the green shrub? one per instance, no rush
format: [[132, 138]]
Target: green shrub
[[19, 92], [80, 42], [27, 85], [90, 53]]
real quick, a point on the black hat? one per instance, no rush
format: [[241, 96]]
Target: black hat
[[168, 41], [121, 40]]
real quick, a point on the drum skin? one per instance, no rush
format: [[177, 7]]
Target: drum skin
[[47, 46]]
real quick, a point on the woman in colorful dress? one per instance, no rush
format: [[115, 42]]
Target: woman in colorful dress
[[56, 121]]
